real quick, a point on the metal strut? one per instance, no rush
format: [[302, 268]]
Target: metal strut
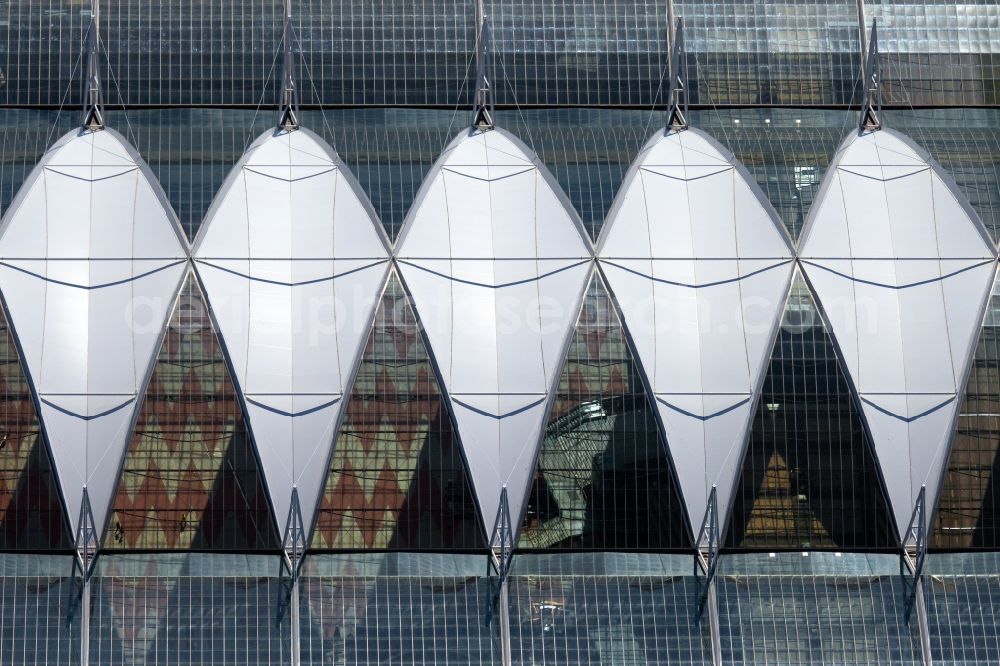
[[93, 98], [871, 107], [86, 546], [502, 539], [288, 103], [482, 104], [677, 99], [501, 553], [293, 545], [707, 543], [912, 565], [915, 537], [87, 539]]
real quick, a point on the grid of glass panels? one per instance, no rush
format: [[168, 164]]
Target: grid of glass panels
[[39, 610], [561, 52], [967, 515], [938, 53], [397, 479], [608, 620], [823, 608], [962, 618], [413, 617], [809, 478], [603, 479], [190, 479], [165, 611]]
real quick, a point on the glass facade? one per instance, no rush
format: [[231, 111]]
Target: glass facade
[[396, 569]]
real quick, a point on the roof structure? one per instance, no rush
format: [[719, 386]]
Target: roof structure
[[91, 259], [496, 262], [902, 268], [699, 265], [292, 260]]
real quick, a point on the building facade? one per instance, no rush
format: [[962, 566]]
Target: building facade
[[573, 424]]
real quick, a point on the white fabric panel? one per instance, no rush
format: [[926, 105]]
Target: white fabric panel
[[964, 313], [750, 242], [700, 271], [230, 232], [93, 259], [713, 447], [87, 452], [910, 453], [828, 223], [495, 448], [904, 299], [496, 265], [762, 303], [712, 213], [303, 464], [955, 240], [292, 263], [67, 216]]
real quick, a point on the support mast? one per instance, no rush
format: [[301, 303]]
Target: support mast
[[677, 102], [93, 99], [288, 103], [483, 109]]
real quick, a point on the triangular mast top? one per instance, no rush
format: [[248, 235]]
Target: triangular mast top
[[93, 102], [677, 104], [288, 102], [871, 105], [482, 105]]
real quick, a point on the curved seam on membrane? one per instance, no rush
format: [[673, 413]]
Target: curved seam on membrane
[[327, 278], [493, 286], [488, 180], [907, 419], [83, 417], [94, 180], [885, 180], [495, 416], [96, 286], [698, 286], [282, 412], [292, 180], [725, 410], [686, 180], [901, 286]]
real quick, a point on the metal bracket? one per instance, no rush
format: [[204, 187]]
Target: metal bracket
[[482, 105], [677, 99], [293, 545], [708, 540], [915, 538], [87, 539]]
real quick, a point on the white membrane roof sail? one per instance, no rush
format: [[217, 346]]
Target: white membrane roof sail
[[902, 268], [91, 259], [496, 261], [292, 260], [700, 266]]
